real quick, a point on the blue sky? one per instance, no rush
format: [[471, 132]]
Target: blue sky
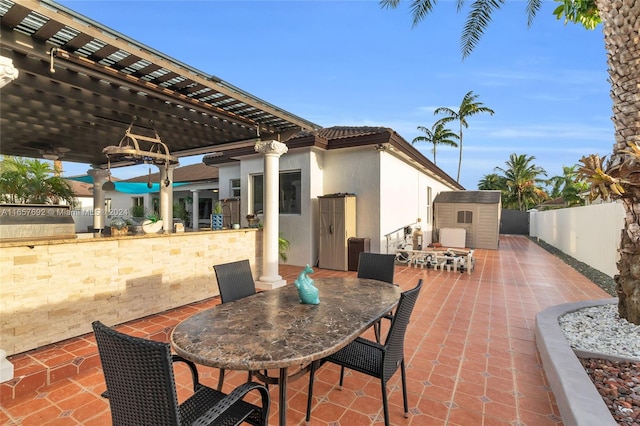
[[352, 63]]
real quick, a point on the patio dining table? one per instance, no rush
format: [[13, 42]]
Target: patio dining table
[[273, 330]]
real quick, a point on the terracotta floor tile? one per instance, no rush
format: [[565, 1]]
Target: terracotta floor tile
[[470, 354], [44, 416]]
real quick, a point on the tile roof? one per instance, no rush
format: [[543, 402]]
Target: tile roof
[[339, 137], [81, 189], [341, 132]]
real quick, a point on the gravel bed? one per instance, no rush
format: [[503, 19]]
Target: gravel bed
[[600, 329]]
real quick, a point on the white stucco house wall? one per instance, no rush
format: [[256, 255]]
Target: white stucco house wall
[[393, 182]]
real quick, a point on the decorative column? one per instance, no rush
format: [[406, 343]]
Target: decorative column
[[272, 151], [166, 197], [99, 178], [195, 213], [8, 72]]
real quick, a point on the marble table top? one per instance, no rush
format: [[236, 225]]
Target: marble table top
[[272, 329]]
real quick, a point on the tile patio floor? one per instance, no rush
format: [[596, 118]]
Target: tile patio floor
[[470, 352]]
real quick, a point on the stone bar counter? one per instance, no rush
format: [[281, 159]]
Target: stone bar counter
[[53, 288]]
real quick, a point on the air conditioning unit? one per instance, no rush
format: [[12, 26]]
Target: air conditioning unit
[[453, 237]]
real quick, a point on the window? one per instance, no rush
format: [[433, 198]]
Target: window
[[465, 216], [235, 188], [107, 207], [288, 196], [137, 207]]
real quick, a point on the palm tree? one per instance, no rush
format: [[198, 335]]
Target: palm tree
[[620, 20], [438, 135], [31, 181], [521, 178], [569, 186], [468, 107], [492, 181]]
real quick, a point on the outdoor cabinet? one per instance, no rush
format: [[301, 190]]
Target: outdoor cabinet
[[337, 225]]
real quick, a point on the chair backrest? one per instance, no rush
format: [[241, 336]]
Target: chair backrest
[[377, 266], [235, 280], [395, 337], [139, 377]]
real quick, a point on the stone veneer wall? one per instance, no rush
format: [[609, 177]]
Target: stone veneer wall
[[53, 290]]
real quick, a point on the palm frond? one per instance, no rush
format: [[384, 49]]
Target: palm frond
[[449, 114], [533, 6], [389, 4], [420, 9], [420, 139], [478, 19]]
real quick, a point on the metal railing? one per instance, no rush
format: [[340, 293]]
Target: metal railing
[[399, 238]]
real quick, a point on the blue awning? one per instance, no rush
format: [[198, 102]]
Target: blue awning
[[128, 187]]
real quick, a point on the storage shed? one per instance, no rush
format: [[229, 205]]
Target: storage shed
[[477, 212]]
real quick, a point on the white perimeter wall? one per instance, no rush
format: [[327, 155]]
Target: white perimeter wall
[[590, 234]]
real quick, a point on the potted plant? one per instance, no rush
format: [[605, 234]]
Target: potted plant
[[152, 224], [216, 217], [180, 212], [283, 247], [137, 213]]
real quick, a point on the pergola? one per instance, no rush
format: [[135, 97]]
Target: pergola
[[81, 85]]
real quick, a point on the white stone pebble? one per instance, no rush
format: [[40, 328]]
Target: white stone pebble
[[600, 329]]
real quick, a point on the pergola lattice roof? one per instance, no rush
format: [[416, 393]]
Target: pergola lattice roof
[[103, 81]]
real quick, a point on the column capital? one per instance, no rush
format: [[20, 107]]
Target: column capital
[[271, 147], [99, 173], [8, 72]]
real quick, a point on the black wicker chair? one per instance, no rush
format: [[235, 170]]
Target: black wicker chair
[[377, 266], [381, 267], [141, 387], [374, 359], [235, 281]]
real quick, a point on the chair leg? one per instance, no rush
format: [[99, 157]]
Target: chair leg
[[385, 405], [404, 389], [221, 380], [376, 330], [341, 376], [312, 372]]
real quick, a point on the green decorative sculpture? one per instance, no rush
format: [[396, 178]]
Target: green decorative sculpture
[[307, 292]]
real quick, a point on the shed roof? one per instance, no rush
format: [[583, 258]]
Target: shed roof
[[478, 197]]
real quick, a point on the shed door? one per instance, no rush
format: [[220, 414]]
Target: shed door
[[464, 218]]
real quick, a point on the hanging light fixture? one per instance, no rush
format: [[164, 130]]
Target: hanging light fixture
[[109, 185], [129, 150], [149, 184]]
